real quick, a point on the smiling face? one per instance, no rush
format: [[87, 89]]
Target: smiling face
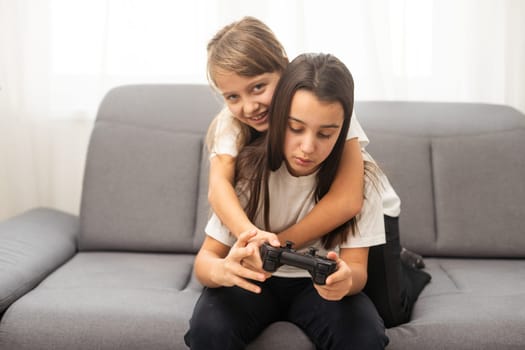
[[312, 131], [248, 98]]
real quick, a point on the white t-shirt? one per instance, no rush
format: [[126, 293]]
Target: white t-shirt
[[291, 198], [226, 132], [390, 199]]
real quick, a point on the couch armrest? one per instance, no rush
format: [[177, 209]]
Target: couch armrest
[[32, 245]]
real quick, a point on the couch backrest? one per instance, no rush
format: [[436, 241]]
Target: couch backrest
[[142, 182], [459, 171], [457, 167]]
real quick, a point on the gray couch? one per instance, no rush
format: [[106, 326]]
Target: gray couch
[[119, 276]]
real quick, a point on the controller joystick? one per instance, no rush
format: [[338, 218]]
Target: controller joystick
[[318, 266], [312, 251]]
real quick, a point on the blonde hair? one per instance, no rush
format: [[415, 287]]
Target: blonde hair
[[246, 47]]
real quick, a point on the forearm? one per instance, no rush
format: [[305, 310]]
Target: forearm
[[357, 261], [206, 268], [222, 196], [359, 278], [225, 204], [327, 214]]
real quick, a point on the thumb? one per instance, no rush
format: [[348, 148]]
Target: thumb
[[332, 256]]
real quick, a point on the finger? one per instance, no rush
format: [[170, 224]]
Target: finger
[[275, 242], [272, 239], [250, 264], [332, 256], [245, 237], [248, 273], [244, 284], [264, 236], [259, 270], [327, 293], [257, 256], [237, 270], [240, 253], [341, 274]]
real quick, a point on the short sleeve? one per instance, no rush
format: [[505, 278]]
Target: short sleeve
[[370, 222], [391, 201], [225, 135], [215, 229], [356, 130]]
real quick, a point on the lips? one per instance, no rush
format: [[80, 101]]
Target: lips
[[303, 161], [261, 117]]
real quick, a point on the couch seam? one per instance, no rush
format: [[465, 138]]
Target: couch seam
[[449, 276], [433, 189], [109, 121], [197, 192]]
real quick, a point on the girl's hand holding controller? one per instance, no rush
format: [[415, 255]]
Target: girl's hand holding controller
[[339, 283], [254, 261], [232, 271], [265, 236]]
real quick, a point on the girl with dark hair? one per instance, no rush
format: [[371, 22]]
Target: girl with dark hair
[[245, 62], [280, 177]]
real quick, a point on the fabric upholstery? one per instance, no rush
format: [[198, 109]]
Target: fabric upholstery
[[457, 167], [203, 207], [420, 119], [142, 171], [138, 194], [106, 301], [32, 245], [398, 155], [469, 304], [480, 194]]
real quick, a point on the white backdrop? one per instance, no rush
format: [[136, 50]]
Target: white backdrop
[[59, 57]]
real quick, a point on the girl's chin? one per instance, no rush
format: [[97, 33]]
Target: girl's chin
[[260, 127], [300, 170]]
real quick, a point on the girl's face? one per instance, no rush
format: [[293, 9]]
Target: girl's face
[[312, 131], [248, 98]]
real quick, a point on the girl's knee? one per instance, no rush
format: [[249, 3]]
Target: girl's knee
[[207, 334]]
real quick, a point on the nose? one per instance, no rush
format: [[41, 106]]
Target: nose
[[250, 107], [308, 144]]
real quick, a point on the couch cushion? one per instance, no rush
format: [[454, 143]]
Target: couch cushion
[[406, 162], [140, 189], [141, 183], [398, 132], [480, 194], [106, 301], [203, 206], [32, 245], [413, 118], [469, 304]]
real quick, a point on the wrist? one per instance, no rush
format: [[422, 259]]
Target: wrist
[[244, 228], [217, 273]]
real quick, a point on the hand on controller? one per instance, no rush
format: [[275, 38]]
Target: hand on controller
[[337, 284], [319, 267], [232, 271], [254, 261]]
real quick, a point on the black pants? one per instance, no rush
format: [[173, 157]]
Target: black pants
[[230, 318], [393, 286]]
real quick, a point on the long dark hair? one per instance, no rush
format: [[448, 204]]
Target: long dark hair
[[329, 80]]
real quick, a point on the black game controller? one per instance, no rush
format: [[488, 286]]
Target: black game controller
[[319, 267]]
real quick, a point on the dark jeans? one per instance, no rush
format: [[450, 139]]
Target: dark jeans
[[230, 318]]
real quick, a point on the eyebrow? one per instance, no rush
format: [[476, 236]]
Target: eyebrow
[[259, 80], [325, 126]]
